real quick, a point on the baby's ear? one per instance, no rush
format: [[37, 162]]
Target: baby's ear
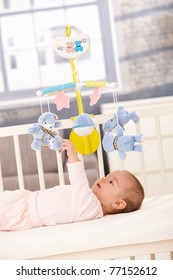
[[119, 204]]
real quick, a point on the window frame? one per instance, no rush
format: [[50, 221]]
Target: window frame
[[109, 50]]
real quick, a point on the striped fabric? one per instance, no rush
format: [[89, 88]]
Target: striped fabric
[[72, 203], [58, 205]]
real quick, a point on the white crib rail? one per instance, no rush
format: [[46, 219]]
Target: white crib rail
[[17, 131], [160, 152], [40, 170], [142, 162], [60, 168], [1, 180], [18, 161], [156, 111], [146, 110]]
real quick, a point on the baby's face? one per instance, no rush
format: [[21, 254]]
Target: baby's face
[[111, 187]]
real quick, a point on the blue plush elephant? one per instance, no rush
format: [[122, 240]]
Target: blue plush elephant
[[122, 143], [123, 118], [43, 131]]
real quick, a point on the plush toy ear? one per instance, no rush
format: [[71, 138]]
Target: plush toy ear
[[55, 116], [41, 118], [122, 155], [58, 124], [120, 108], [34, 129], [134, 117]]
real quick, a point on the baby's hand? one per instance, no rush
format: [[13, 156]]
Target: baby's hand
[[71, 151]]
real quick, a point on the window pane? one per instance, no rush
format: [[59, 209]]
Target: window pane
[[87, 19], [52, 66], [47, 30], [17, 32], [14, 5], [47, 3], [91, 65], [1, 78], [25, 75], [94, 59], [58, 3], [1, 81], [28, 46], [21, 61], [70, 2]]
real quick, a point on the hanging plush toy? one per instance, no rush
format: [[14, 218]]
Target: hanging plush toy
[[43, 132], [83, 124], [114, 138], [123, 117], [55, 143], [122, 143], [84, 134]]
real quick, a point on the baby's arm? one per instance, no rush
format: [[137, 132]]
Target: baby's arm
[[71, 151], [77, 174]]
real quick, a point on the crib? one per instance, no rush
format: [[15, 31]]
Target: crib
[[143, 234]]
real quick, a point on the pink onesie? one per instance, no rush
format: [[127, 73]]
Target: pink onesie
[[23, 209]]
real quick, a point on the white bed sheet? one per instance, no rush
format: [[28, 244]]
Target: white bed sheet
[[153, 222]]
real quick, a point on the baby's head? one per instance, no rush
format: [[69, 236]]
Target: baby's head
[[119, 192]]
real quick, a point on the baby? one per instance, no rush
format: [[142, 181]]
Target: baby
[[118, 192]]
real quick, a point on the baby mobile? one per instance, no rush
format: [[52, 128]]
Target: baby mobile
[[84, 134]]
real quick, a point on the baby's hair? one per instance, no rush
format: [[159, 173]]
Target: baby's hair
[[133, 195]]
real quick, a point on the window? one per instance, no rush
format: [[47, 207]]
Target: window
[[28, 30]]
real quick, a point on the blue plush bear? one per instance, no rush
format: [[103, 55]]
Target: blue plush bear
[[121, 142], [123, 118], [78, 47], [43, 132]]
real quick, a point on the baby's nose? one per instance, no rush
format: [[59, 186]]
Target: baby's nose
[[104, 179]]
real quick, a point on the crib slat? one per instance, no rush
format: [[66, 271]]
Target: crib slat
[[100, 157], [18, 162], [142, 163], [121, 163], [60, 168], [40, 170], [1, 180], [160, 151]]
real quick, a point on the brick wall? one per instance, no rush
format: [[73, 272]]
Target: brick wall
[[145, 42]]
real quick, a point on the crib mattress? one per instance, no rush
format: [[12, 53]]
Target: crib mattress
[[153, 222]]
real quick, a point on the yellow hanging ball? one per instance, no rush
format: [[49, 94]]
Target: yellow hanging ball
[[86, 145]]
